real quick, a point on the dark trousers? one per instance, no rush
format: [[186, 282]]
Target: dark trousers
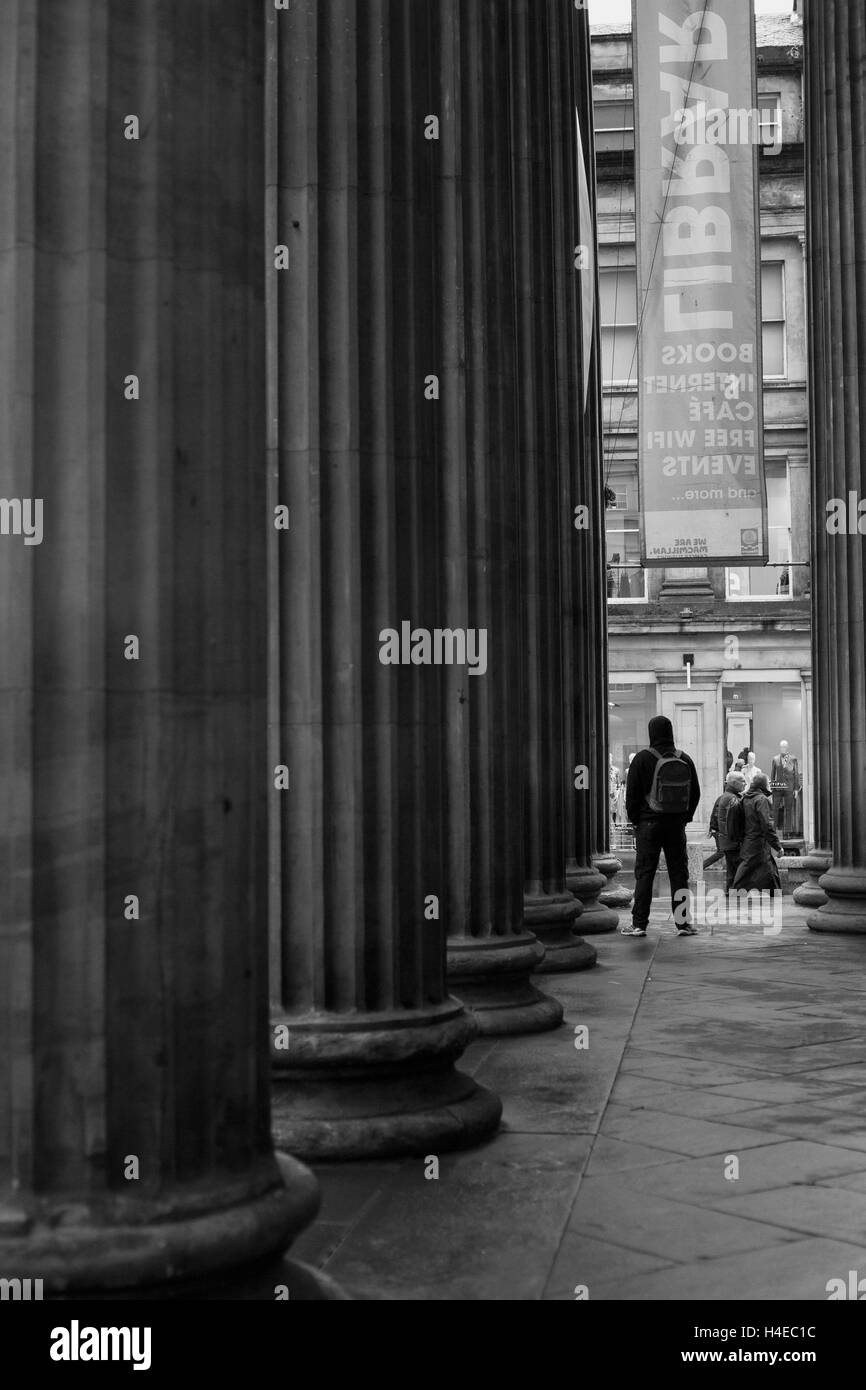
[[654, 836], [732, 863]]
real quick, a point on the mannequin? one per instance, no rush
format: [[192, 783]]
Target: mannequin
[[750, 769], [785, 785]]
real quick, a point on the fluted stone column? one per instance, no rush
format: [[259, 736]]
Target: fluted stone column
[[365, 1033], [817, 249], [491, 955], [544, 140], [584, 557], [835, 148], [134, 1115]]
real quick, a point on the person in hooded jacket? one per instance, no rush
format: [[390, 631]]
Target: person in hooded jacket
[[726, 824], [657, 832], [758, 868]]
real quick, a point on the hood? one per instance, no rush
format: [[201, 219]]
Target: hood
[[759, 784], [661, 731]]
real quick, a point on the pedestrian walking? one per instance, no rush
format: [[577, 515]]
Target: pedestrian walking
[[758, 868], [661, 797], [727, 824]]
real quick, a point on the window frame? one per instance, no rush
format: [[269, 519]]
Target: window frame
[[776, 125], [619, 482], [789, 564], [620, 130], [618, 382], [783, 321]]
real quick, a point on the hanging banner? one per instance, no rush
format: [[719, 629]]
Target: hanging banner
[[697, 129]]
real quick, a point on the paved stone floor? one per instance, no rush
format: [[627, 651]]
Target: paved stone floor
[[709, 1143]]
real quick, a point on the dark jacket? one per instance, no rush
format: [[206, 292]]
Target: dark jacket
[[724, 804], [760, 834], [642, 771], [758, 868]]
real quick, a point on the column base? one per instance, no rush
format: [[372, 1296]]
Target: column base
[[845, 909], [810, 893], [586, 883], [551, 916], [606, 863], [75, 1248], [617, 897], [490, 977], [378, 1085]]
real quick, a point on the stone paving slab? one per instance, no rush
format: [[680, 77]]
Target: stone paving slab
[[798, 1270], [608, 1210], [614, 1167]]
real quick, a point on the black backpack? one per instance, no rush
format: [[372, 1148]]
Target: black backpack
[[671, 784]]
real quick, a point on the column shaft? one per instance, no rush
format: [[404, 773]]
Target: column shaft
[[544, 142], [835, 56], [490, 953], [817, 861], [134, 1116], [366, 855], [589, 866]]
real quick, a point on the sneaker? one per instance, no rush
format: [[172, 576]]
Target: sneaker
[[632, 931], [687, 930]]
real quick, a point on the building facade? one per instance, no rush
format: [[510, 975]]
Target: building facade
[[724, 651]]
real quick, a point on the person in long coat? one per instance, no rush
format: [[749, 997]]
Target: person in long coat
[[758, 869]]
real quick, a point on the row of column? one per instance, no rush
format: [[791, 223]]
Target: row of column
[[417, 411], [267, 431], [430, 433]]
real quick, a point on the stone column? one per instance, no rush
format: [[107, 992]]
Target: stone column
[[490, 953], [134, 1116], [592, 608], [365, 1032], [585, 601], [816, 253], [544, 141], [835, 47]]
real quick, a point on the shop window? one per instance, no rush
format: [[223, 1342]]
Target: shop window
[[758, 715], [630, 707]]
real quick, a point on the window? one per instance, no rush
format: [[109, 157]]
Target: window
[[626, 580], [773, 316], [618, 305], [772, 581], [630, 707], [614, 125], [770, 107]]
